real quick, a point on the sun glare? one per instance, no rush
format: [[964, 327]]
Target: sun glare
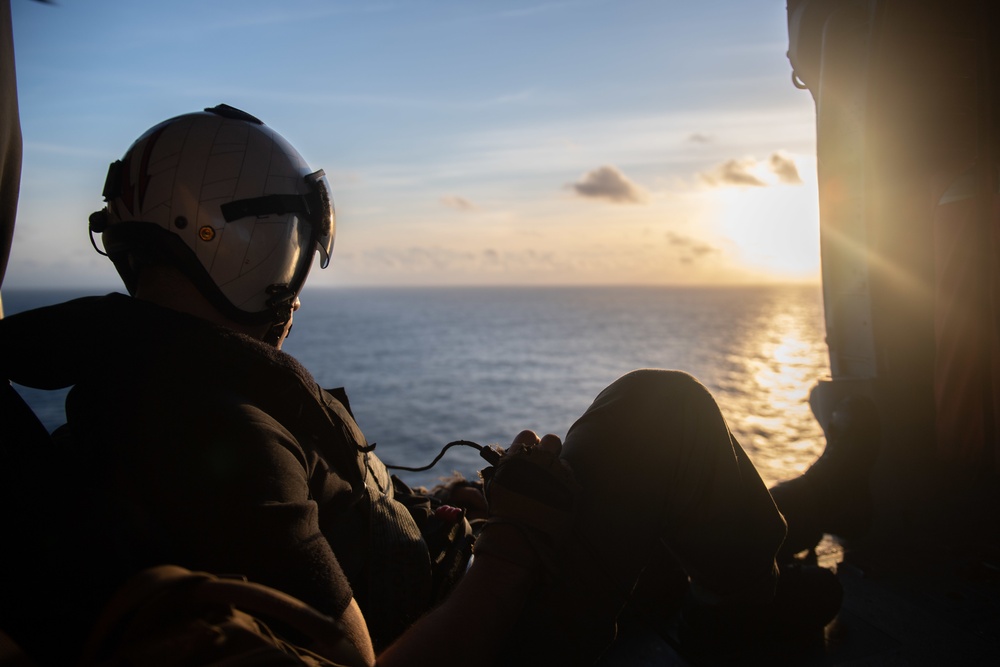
[[774, 229]]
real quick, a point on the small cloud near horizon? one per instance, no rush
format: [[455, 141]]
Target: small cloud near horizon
[[691, 249], [458, 203], [700, 138], [747, 172], [784, 168], [738, 172], [608, 182]]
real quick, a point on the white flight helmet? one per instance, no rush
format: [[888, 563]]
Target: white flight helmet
[[227, 200]]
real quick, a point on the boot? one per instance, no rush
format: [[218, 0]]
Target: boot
[[806, 599], [833, 495]]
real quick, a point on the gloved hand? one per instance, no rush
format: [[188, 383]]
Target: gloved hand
[[533, 490]]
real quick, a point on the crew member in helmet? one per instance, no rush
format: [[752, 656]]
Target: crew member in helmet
[[228, 202], [194, 440]]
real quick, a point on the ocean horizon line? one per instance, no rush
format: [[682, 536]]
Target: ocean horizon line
[[19, 299], [104, 289]]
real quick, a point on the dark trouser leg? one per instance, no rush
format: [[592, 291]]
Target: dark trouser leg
[[657, 461]]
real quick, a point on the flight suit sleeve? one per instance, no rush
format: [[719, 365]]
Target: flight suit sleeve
[[230, 490]]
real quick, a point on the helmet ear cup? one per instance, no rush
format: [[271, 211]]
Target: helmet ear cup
[[228, 201], [98, 221], [98, 224]]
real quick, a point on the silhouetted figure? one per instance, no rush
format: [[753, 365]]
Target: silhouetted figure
[[192, 439]]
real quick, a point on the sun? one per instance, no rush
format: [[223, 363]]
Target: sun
[[774, 229]]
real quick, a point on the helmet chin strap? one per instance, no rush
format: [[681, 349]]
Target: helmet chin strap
[[274, 335], [282, 305]]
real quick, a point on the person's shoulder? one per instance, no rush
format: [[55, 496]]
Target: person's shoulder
[[44, 317], [217, 411], [202, 423], [55, 346]]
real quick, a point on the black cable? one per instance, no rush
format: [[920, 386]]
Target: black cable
[[490, 453]]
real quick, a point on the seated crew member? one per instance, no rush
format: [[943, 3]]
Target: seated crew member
[[201, 444]]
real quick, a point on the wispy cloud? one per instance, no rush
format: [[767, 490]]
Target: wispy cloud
[[750, 172], [689, 248], [270, 16], [538, 8], [700, 138], [437, 258], [458, 203], [738, 172], [64, 150], [347, 98], [784, 168], [527, 11], [419, 257], [608, 182]]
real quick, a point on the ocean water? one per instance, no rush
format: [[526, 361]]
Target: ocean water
[[425, 366]]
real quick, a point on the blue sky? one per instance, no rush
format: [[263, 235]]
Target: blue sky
[[467, 142]]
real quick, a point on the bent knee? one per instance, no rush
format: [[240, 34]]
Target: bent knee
[[658, 382]]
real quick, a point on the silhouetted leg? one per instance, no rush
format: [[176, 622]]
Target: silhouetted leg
[[656, 461]]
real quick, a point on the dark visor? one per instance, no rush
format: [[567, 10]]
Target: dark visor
[[316, 207]]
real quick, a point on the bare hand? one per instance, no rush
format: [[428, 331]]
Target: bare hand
[[528, 439]]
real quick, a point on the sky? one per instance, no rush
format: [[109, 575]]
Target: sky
[[506, 143]]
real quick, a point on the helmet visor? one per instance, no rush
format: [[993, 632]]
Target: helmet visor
[[321, 215], [315, 207]]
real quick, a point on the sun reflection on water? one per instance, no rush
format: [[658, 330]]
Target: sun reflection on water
[[766, 389]]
